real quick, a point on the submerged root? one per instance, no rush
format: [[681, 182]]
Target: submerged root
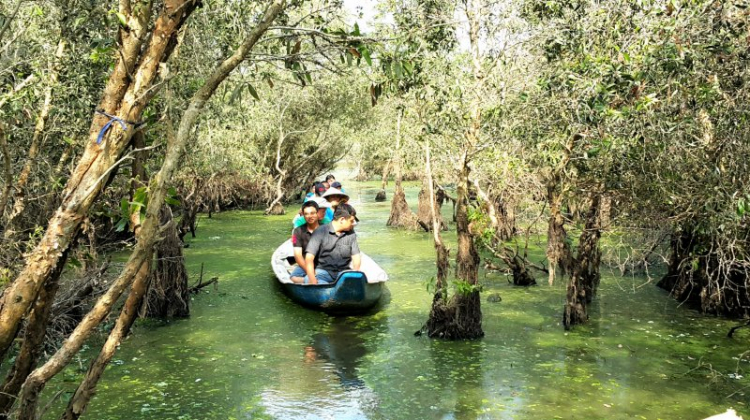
[[458, 319], [168, 293]]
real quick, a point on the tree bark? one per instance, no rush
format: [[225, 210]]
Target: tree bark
[[428, 208], [275, 208], [7, 176], [33, 344], [127, 93], [401, 215], [440, 313], [584, 281], [558, 249]]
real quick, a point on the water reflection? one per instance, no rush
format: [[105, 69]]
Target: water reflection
[[328, 383], [342, 346]]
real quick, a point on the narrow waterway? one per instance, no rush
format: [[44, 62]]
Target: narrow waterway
[[248, 352]]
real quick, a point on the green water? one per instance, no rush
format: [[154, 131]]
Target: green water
[[248, 352]]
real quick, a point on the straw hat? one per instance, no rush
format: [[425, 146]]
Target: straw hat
[[334, 191]]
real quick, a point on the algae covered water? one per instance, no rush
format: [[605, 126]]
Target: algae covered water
[[248, 352]]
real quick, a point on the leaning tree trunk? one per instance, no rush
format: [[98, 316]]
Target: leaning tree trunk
[[128, 91], [148, 236], [584, 281], [32, 344], [168, 293], [401, 215]]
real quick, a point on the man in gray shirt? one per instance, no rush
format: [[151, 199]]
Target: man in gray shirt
[[333, 247]]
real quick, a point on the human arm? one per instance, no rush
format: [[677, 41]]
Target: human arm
[[356, 256], [299, 257], [356, 262], [310, 268], [310, 253]]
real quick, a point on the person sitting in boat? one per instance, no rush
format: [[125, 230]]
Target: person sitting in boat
[[323, 217], [330, 179], [337, 185], [311, 192], [301, 237], [320, 189], [334, 197], [333, 248]]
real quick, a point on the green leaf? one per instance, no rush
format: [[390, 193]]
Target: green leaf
[[409, 67], [366, 55], [140, 197], [397, 69], [124, 208], [74, 262], [253, 92], [121, 224], [122, 18], [171, 201], [355, 32]]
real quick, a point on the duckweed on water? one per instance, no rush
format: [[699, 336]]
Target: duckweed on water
[[248, 352]]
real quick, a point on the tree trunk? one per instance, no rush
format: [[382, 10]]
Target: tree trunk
[[190, 207], [33, 344], [440, 313], [381, 195], [148, 237], [558, 249], [168, 294], [425, 212], [276, 208], [584, 281], [127, 93], [401, 215], [7, 177], [463, 314], [506, 218]]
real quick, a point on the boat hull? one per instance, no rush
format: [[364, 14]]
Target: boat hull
[[350, 293]]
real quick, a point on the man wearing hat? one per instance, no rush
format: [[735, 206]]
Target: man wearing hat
[[333, 248], [301, 236]]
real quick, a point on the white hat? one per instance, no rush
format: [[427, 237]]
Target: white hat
[[334, 191], [322, 203]]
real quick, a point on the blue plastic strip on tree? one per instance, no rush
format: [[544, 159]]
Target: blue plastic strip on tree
[[106, 127]]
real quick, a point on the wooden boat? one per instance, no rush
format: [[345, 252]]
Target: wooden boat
[[353, 291]]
